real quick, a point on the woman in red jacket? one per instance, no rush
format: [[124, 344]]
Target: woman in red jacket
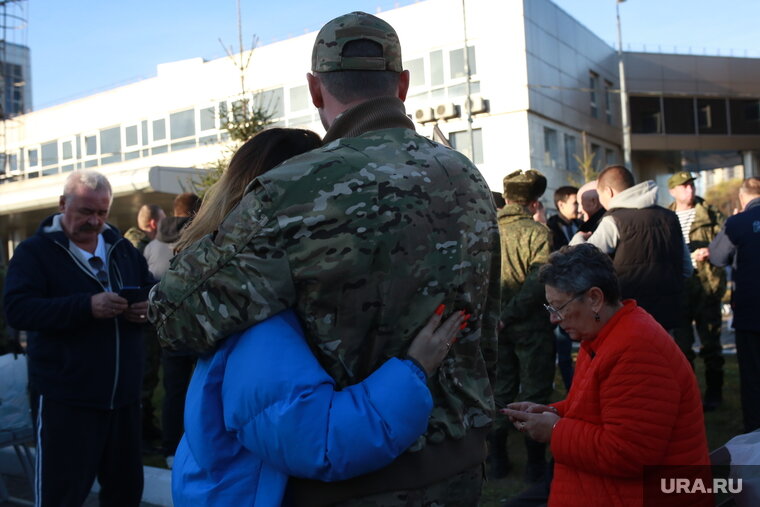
[[634, 401]]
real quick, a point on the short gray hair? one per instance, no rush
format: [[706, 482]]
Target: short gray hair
[[85, 178], [575, 269]]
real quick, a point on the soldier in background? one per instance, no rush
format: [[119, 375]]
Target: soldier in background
[[700, 223], [148, 217], [526, 344], [363, 238]]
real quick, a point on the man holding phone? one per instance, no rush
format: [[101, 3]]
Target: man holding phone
[[78, 288]]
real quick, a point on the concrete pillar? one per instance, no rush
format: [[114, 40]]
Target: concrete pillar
[[751, 161]]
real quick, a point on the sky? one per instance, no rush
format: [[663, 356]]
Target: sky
[[80, 47]]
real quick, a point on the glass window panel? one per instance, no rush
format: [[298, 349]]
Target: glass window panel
[[33, 158], [646, 117], [130, 135], [144, 131], [459, 90], [131, 155], [91, 163], [460, 141], [301, 121], [205, 140], [183, 145], [551, 148], [711, 114], [49, 153], [78, 143], [611, 157], [67, 168], [593, 84], [679, 116], [436, 68], [745, 116], [13, 163], [50, 172], [182, 124], [416, 70], [596, 151], [111, 159], [110, 140], [159, 149], [270, 101], [608, 102], [299, 98], [159, 130], [91, 145], [67, 151], [208, 118], [438, 94], [571, 164]]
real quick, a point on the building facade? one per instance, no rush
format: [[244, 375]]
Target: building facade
[[542, 86]]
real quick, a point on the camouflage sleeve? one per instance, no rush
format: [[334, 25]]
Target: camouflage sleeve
[[489, 341], [531, 294], [224, 283]]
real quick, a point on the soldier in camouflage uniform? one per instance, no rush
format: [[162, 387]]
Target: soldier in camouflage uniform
[[148, 217], [526, 343], [364, 238], [700, 223]]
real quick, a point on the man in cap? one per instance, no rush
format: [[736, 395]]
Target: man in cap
[[526, 343], [700, 223], [738, 245], [363, 238], [649, 254]]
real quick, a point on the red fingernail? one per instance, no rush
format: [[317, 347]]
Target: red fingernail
[[440, 309]]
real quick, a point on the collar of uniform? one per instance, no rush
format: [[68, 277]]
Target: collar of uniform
[[513, 210], [372, 114]]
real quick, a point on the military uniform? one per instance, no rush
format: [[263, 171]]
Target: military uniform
[[704, 294], [137, 237]]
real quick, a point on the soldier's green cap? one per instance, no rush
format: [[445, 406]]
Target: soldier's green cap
[[680, 178], [524, 186], [327, 55]]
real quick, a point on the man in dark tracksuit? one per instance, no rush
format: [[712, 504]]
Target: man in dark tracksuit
[[738, 244], [84, 346]]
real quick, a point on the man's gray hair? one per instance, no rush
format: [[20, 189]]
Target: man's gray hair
[[575, 269], [85, 178]]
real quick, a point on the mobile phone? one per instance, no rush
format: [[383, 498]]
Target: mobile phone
[[134, 294]]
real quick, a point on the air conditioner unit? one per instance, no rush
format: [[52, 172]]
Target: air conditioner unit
[[446, 111], [479, 105], [424, 115]]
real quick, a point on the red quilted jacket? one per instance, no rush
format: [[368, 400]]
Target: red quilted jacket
[[634, 402]]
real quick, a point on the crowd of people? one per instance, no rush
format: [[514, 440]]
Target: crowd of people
[[359, 320]]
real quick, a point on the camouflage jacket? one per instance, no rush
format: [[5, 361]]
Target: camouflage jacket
[[707, 223], [525, 246], [138, 238], [364, 238]]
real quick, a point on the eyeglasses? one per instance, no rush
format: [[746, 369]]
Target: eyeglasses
[[555, 311], [98, 265]]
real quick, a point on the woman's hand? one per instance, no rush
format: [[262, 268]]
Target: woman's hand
[[432, 344], [538, 426], [530, 407]]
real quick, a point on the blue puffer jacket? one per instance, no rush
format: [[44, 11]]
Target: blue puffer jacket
[[262, 408]]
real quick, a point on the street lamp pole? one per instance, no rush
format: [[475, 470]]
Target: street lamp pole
[[623, 94]]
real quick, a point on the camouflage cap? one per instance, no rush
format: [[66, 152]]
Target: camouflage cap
[[328, 48], [680, 178], [524, 186]]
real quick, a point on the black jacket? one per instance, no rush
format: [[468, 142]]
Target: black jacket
[[73, 357], [557, 224], [738, 244]]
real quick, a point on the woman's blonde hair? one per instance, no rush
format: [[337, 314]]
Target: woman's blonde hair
[[259, 154]]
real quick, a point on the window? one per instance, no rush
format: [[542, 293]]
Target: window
[[130, 136], [571, 164], [14, 86], [646, 117], [460, 141], [608, 102], [610, 157], [416, 70], [745, 116], [144, 129], [436, 68], [593, 84], [66, 150], [33, 158], [551, 148], [90, 145], [270, 101], [679, 116], [596, 151], [182, 124], [711, 116], [110, 145], [159, 130], [299, 98], [49, 153], [207, 117], [456, 62]]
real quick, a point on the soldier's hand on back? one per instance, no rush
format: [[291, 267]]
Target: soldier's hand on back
[[107, 305], [433, 342]]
